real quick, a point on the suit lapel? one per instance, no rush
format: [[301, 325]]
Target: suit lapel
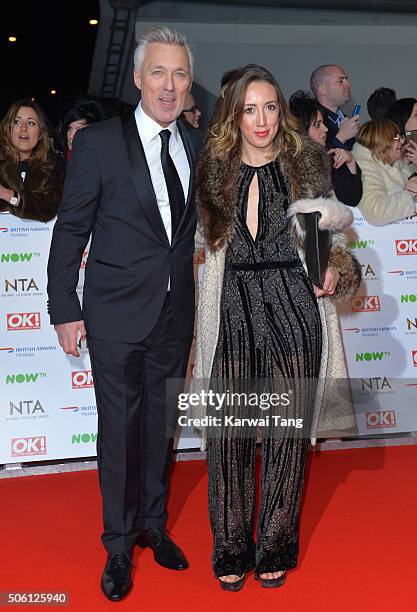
[[191, 162], [141, 176]]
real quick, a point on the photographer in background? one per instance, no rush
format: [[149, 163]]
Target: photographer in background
[[331, 87]]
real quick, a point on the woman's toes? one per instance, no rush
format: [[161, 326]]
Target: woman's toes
[[231, 578]]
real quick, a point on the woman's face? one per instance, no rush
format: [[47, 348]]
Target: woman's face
[[191, 113], [26, 131], [395, 149], [260, 120], [317, 130], [412, 120], [73, 128]]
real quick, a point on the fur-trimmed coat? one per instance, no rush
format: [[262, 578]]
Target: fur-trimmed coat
[[309, 187], [40, 192]]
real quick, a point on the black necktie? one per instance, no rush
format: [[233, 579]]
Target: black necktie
[[173, 183]]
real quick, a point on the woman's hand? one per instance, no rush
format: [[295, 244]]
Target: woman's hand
[[410, 153], [411, 186], [5, 194], [331, 278], [341, 156]]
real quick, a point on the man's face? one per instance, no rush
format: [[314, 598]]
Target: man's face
[[164, 81], [336, 87]]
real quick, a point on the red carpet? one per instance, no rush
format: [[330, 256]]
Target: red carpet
[[358, 540]]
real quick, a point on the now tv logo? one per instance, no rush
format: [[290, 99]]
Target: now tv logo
[[406, 246], [377, 356], [380, 419], [82, 379], [361, 244], [366, 303], [17, 257], [23, 321], [11, 379]]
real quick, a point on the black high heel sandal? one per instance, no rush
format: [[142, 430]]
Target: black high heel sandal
[[271, 583], [233, 586]]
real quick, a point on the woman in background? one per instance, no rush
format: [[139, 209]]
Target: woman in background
[[82, 113], [191, 113], [346, 174], [404, 114], [31, 173], [387, 195]]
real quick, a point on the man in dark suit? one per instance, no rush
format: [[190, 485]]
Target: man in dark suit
[[129, 185]]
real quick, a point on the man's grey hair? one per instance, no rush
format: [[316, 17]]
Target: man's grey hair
[[163, 35], [318, 76]]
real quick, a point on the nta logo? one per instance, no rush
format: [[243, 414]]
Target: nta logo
[[11, 379], [372, 356], [82, 379], [380, 419], [26, 407], [23, 447], [24, 285], [367, 270], [414, 356], [366, 303], [18, 257], [23, 321], [412, 324], [406, 246], [376, 383]]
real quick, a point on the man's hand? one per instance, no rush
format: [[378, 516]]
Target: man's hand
[[348, 128], [68, 336], [331, 278]]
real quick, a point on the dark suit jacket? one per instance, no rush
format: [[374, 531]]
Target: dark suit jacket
[[332, 142], [108, 192]]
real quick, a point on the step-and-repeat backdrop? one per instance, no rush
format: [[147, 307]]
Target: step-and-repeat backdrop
[[48, 407]]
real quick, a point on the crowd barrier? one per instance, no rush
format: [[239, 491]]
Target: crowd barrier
[[48, 407]]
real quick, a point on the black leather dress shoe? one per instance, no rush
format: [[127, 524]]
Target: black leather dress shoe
[[116, 581], [165, 552]]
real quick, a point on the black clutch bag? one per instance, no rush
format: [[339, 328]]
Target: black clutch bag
[[317, 244]]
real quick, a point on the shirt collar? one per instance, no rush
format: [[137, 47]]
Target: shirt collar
[[148, 128], [329, 113]]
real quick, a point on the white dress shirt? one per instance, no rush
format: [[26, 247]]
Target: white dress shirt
[[149, 134]]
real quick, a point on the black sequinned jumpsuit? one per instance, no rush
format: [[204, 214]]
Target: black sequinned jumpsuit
[[270, 329]]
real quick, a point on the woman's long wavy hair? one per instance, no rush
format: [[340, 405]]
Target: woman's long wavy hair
[[224, 136], [7, 150]]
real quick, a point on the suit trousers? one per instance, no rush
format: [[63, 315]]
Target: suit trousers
[[133, 446]]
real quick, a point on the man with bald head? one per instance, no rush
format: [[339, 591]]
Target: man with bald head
[[331, 86]]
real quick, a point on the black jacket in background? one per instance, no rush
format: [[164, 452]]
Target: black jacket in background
[[330, 118], [347, 186]]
